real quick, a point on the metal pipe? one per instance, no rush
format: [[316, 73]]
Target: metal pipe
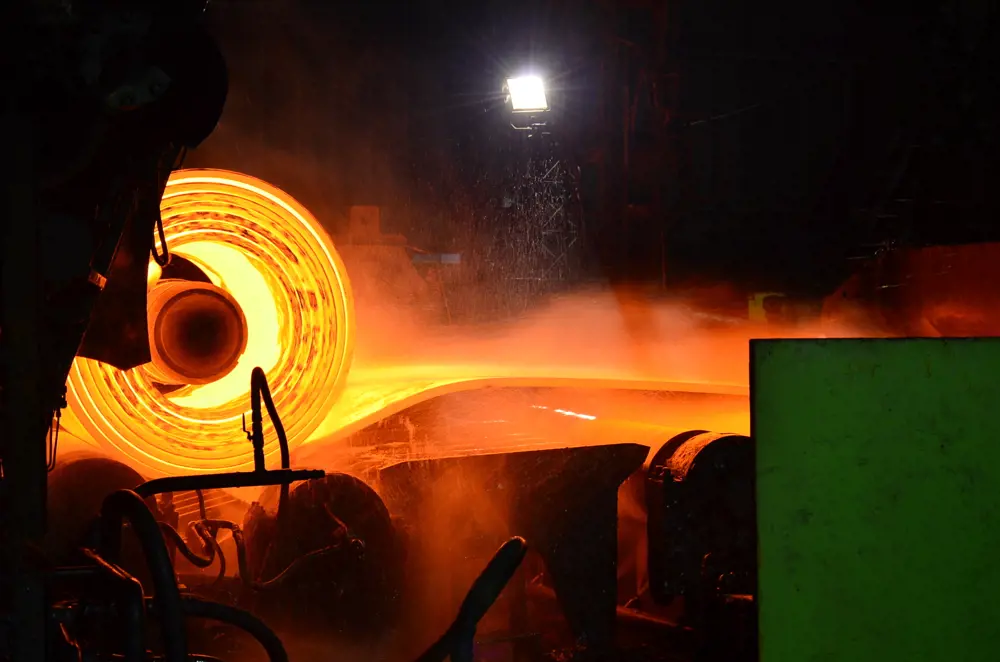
[[126, 505], [197, 332], [226, 481], [625, 614]]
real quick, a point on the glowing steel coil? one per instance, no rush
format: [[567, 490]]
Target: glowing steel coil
[[272, 256]]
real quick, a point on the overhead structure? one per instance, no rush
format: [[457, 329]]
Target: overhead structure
[[253, 280]]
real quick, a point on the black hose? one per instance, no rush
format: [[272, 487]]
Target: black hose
[[241, 550], [182, 547], [259, 389], [208, 537], [126, 505], [222, 561], [458, 641], [294, 568], [132, 607], [243, 620], [257, 419]]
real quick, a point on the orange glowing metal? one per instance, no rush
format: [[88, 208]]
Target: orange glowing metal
[[274, 258]]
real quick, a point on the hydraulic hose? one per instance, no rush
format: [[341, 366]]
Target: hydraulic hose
[[219, 554], [259, 390], [127, 506], [293, 569], [243, 620], [132, 608], [210, 536], [195, 559], [457, 642]]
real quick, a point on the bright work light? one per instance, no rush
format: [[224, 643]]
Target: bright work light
[[527, 94]]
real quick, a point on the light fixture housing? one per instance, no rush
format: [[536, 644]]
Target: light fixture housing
[[527, 94]]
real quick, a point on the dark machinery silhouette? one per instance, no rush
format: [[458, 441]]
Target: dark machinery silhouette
[[102, 101]]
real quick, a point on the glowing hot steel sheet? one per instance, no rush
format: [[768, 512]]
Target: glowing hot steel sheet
[[257, 245], [508, 415], [375, 393], [274, 258]]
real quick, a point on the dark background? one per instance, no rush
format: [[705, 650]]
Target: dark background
[[765, 144]]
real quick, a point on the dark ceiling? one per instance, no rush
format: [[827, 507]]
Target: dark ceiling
[[797, 124]]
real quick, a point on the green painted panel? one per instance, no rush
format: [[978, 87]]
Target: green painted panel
[[878, 494]]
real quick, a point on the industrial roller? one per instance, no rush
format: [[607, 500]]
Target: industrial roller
[[701, 522], [253, 280]]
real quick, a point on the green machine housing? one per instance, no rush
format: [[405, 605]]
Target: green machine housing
[[878, 499]]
